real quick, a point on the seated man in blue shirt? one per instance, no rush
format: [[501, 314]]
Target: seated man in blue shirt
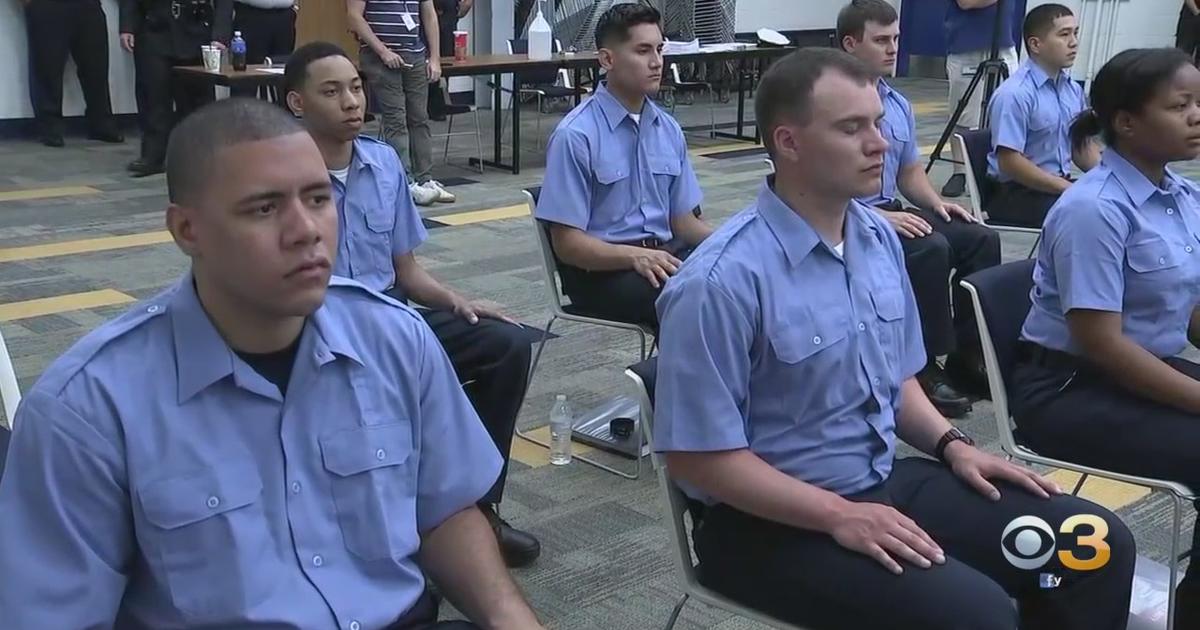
[[619, 192], [379, 229], [1030, 115], [258, 446], [938, 236], [790, 341]]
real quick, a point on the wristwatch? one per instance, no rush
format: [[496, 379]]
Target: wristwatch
[[953, 435]]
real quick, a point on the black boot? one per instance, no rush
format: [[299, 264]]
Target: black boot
[[518, 548], [955, 186], [948, 401]]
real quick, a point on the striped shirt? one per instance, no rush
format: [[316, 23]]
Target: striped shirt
[[386, 19]]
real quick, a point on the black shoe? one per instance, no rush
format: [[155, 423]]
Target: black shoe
[[518, 548], [52, 140], [142, 168], [111, 137], [948, 401], [969, 375], [956, 186]]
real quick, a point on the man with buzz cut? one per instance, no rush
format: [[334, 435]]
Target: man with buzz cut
[[260, 445], [937, 236]]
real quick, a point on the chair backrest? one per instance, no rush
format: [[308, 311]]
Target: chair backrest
[[10, 391], [539, 76], [546, 247], [1000, 296], [644, 375], [975, 145]]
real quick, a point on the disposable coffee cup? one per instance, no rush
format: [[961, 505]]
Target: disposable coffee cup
[[460, 45], [212, 58]]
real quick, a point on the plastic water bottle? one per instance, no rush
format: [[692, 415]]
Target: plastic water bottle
[[539, 36], [561, 424], [237, 52]]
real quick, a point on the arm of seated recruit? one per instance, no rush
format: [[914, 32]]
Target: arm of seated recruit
[[1099, 335], [1025, 172], [691, 228]]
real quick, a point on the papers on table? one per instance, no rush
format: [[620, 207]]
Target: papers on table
[[681, 48]]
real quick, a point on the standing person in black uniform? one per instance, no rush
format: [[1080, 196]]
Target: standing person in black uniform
[[57, 28], [1187, 31], [448, 12], [162, 34]]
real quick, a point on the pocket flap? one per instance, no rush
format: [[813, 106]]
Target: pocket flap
[[611, 171], [1151, 255], [665, 165], [358, 450], [796, 345], [381, 219], [889, 304], [179, 501]]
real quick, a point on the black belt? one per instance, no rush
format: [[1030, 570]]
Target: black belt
[[1038, 354], [646, 243]]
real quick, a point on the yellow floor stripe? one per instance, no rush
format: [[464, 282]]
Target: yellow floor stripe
[[536, 456], [479, 216], [47, 193], [83, 246], [929, 108], [62, 304], [1113, 495]]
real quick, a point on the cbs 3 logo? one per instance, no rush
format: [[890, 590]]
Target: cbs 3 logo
[[1028, 542]]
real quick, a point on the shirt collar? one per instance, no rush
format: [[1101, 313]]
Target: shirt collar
[[615, 112], [363, 155], [1136, 184], [795, 235], [1039, 75], [885, 90], [204, 358]]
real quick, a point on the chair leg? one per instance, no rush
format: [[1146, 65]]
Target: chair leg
[[1033, 250], [1176, 525], [537, 123], [537, 356], [478, 140], [675, 613]]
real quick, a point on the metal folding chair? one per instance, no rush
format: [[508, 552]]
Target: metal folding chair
[[974, 145], [643, 377], [1000, 296], [570, 313]]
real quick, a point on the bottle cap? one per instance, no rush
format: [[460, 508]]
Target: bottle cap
[[237, 33], [560, 397]]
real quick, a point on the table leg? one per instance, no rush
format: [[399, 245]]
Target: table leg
[[497, 160], [516, 123], [741, 109], [577, 76]]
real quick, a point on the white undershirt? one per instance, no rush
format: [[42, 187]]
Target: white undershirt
[[341, 174], [637, 118], [840, 249]]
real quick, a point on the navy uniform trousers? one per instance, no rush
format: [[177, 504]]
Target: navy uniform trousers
[[808, 579]]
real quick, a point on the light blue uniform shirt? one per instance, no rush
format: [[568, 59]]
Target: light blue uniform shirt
[[899, 128], [1032, 113], [156, 480], [1116, 242], [773, 342], [376, 216], [616, 179]]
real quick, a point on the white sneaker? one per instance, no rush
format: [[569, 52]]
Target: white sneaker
[[422, 195], [443, 195]]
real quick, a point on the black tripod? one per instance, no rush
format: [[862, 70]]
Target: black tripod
[[994, 71]]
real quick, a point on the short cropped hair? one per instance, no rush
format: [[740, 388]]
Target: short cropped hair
[[295, 73], [618, 20], [785, 90], [196, 140], [852, 19], [1040, 20]]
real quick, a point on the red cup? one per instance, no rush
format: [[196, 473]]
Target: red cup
[[460, 45]]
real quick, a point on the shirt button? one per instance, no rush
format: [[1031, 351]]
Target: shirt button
[[380, 454], [862, 326], [318, 560], [295, 487], [876, 381], [213, 502], [1162, 261], [354, 625], [1188, 249], [1170, 210], [153, 308], [817, 340]]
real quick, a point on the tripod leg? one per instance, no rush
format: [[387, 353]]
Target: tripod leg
[[954, 118]]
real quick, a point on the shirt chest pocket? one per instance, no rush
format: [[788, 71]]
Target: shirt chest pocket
[[372, 477], [888, 304], [209, 538], [1151, 256]]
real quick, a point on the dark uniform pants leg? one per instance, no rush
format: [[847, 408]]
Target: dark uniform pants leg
[[49, 24], [152, 84], [623, 296], [89, 49], [1085, 416], [973, 247], [928, 261], [808, 579], [492, 358], [1014, 204]]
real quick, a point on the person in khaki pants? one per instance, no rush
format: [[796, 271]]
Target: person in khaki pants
[[397, 37]]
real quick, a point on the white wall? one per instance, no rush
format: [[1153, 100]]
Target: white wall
[[14, 68], [787, 15]]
